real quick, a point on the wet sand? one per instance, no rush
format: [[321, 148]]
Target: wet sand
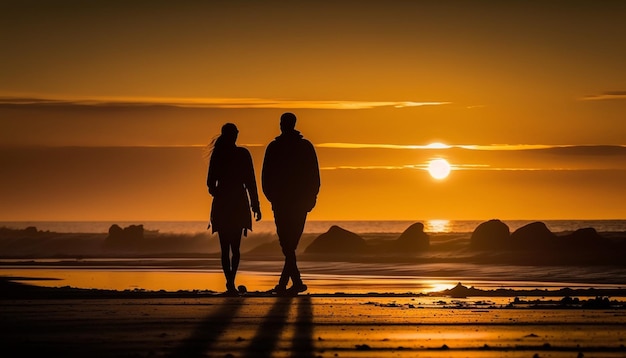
[[305, 326]]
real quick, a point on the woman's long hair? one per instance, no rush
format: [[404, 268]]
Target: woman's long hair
[[223, 142]]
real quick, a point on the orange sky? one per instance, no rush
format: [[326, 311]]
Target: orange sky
[[104, 106]]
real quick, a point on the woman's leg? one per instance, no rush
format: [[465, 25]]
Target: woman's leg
[[230, 241], [225, 248], [234, 247]]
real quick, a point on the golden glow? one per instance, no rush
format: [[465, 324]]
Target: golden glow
[[501, 147], [439, 168], [437, 145], [437, 286], [605, 96], [381, 146], [119, 117], [437, 226], [146, 279], [207, 102]]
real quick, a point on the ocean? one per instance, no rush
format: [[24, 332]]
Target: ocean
[[317, 227], [435, 270]]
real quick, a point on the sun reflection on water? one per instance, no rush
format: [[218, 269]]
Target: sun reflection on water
[[437, 226], [437, 286]]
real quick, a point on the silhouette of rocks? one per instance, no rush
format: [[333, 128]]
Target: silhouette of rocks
[[128, 236], [587, 238], [532, 236], [490, 235], [337, 241], [460, 291], [598, 302], [29, 232], [413, 239], [115, 231], [537, 236]]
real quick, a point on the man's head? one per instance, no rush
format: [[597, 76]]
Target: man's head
[[287, 122]]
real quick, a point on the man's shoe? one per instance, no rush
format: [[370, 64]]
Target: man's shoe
[[296, 288], [279, 290], [231, 291]]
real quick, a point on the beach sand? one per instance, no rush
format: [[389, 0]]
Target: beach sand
[[39, 324]]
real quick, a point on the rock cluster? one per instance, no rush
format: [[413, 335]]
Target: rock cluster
[[124, 237], [495, 235], [341, 241]]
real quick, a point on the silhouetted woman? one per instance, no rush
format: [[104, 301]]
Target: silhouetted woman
[[232, 184]]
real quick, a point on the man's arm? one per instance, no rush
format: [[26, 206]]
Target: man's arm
[[267, 172], [250, 183], [313, 176]]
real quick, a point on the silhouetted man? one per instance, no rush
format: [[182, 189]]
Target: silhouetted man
[[291, 182]]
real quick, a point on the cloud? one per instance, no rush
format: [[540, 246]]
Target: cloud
[[483, 167], [213, 102], [605, 96], [370, 167], [432, 146], [454, 167], [507, 147], [380, 146], [557, 148]]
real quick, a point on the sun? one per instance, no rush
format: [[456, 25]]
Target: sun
[[439, 168]]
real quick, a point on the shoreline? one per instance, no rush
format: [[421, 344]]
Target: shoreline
[[322, 277], [17, 288]]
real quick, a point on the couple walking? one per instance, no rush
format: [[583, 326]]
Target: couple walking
[[290, 181]]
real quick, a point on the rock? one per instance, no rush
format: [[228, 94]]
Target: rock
[[115, 232], [585, 238], [490, 235], [134, 232], [533, 236], [458, 291], [126, 237], [31, 230], [413, 239], [337, 241]]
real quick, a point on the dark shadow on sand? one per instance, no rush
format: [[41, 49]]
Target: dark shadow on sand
[[269, 331], [209, 330], [302, 343]]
